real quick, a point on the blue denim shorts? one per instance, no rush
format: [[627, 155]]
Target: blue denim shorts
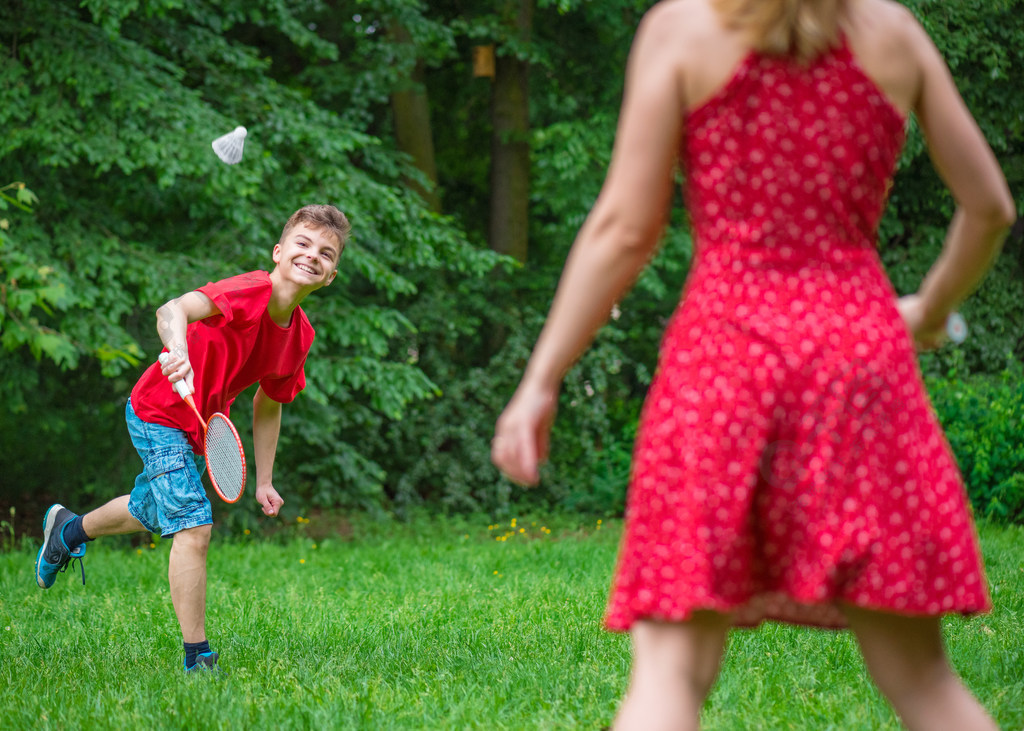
[[168, 495]]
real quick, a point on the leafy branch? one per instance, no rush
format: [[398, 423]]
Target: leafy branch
[[23, 197]]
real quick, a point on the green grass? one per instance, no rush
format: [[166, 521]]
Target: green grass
[[435, 625]]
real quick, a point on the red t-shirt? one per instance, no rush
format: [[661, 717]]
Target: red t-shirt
[[229, 352]]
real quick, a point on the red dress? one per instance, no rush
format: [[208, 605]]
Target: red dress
[[788, 458]]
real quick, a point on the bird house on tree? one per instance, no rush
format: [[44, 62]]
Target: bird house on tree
[[483, 61]]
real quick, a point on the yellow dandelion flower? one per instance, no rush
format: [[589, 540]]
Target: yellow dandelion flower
[[495, 573], [247, 531], [314, 546], [522, 530], [152, 545], [302, 560], [138, 551], [298, 519], [513, 522]]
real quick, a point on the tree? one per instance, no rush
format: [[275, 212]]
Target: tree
[[413, 132], [510, 144], [109, 108], [109, 111]]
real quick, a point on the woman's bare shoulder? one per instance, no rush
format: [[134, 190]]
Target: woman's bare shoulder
[[885, 26], [687, 21], [695, 42], [891, 46]]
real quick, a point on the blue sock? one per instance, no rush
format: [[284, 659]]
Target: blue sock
[[194, 650], [73, 533]]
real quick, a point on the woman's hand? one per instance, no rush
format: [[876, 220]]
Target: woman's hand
[[523, 432], [927, 333]]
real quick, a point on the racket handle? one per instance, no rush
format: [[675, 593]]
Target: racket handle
[[180, 386]]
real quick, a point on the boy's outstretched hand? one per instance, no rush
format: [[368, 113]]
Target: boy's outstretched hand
[[267, 496]]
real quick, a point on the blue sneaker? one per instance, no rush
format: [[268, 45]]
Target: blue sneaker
[[55, 555], [206, 662]]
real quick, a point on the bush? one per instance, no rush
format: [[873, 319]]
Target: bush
[[984, 421]]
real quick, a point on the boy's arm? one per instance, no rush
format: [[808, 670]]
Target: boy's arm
[[266, 428], [172, 319]]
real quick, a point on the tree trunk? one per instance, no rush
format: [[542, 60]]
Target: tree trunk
[[510, 147], [413, 133]]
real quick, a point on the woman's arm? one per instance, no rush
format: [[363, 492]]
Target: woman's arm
[[966, 163], [615, 243]]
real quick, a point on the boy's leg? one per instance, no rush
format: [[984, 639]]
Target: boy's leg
[[111, 519], [169, 498], [907, 660], [65, 534], [674, 668], [186, 572]]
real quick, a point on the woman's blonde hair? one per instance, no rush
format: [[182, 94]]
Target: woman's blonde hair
[[798, 28]]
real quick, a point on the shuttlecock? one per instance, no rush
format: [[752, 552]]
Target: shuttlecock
[[956, 327], [229, 147]]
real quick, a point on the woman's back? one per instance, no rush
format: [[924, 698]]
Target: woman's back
[[791, 162]]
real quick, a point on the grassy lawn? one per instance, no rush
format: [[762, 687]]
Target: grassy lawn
[[441, 624]]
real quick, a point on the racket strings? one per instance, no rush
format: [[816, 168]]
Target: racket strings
[[224, 457]]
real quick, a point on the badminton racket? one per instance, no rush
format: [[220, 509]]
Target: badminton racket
[[225, 458]]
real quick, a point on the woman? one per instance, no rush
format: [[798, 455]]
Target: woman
[[787, 466]]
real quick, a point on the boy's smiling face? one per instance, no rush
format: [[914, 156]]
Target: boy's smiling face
[[307, 257]]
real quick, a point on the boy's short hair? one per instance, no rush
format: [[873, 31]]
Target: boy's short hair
[[321, 217]]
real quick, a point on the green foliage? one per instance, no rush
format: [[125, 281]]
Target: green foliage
[[984, 421], [30, 290], [474, 337], [440, 452], [110, 108]]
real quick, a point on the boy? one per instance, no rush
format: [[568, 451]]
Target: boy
[[222, 338]]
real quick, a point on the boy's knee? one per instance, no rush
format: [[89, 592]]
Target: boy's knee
[[197, 538]]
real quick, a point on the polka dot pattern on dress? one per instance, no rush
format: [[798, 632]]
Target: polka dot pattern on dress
[[788, 458]]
